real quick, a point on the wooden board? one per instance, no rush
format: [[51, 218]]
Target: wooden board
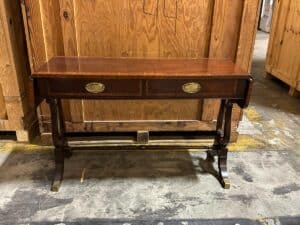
[[140, 28], [283, 58], [16, 100]]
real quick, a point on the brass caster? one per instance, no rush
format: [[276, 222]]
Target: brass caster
[[55, 186], [226, 183]]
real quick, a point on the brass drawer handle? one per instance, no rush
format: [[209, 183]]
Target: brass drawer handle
[[191, 88], [95, 87]]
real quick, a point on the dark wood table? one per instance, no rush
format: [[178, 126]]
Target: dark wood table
[[137, 78]]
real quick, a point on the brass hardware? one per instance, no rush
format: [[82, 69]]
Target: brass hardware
[[226, 183], [191, 88], [94, 87]]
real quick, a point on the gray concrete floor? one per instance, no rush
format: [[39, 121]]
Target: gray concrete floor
[[168, 188]]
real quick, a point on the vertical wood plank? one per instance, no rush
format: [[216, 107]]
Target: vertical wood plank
[[55, 45], [280, 14], [50, 14], [283, 52], [36, 33], [226, 28], [247, 38], [73, 107], [68, 27], [37, 43], [16, 53], [8, 69], [17, 109], [223, 44], [248, 33]]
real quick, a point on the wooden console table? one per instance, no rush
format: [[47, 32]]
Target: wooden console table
[[136, 78]]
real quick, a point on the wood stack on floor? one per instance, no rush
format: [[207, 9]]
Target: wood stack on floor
[[283, 58], [16, 105]]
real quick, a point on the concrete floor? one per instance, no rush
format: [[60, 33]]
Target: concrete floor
[[168, 188]]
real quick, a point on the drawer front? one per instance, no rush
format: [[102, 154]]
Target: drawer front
[[206, 88], [93, 88]]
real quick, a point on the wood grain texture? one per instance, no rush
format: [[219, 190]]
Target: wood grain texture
[[7, 66], [3, 112], [16, 98], [37, 43], [283, 53], [224, 41], [247, 35], [138, 68], [243, 58], [72, 108], [167, 110]]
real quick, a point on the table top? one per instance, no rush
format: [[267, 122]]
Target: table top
[[94, 67]]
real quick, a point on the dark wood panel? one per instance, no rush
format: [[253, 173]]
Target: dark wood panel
[[77, 87], [142, 89], [208, 88]]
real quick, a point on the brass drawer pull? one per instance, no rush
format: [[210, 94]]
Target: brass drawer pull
[[95, 87], [191, 88]]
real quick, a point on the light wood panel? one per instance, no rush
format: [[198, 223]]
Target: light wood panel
[[16, 103], [283, 53], [240, 26], [223, 43]]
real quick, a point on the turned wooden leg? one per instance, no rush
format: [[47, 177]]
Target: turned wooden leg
[[222, 164], [210, 155], [58, 141], [222, 140], [220, 123]]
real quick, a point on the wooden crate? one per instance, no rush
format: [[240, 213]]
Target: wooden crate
[[139, 28], [283, 58], [16, 110]]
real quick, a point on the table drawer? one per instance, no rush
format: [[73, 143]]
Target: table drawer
[[92, 88], [209, 88]]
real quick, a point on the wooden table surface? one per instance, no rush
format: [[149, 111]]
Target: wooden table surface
[[89, 67]]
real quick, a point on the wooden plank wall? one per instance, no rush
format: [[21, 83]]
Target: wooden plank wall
[[16, 102], [140, 28], [283, 58]]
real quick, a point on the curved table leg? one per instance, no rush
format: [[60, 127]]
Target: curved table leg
[[222, 140], [58, 141], [58, 176], [222, 164]]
